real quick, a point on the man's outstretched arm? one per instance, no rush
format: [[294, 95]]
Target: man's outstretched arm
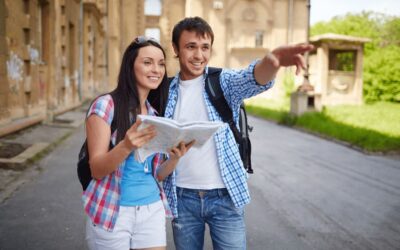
[[289, 55]]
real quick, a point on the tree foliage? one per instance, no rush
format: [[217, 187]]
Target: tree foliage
[[382, 75], [391, 32], [382, 54]]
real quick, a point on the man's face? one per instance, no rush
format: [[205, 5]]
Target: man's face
[[194, 52]]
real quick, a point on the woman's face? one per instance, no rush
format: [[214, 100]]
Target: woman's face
[[149, 68]]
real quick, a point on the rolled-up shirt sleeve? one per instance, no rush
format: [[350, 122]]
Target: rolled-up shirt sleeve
[[238, 85]]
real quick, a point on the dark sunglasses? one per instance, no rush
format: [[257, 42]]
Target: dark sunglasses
[[143, 39]]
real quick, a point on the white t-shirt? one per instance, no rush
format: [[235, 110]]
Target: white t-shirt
[[198, 168]]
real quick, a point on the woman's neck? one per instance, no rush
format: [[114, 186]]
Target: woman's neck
[[143, 108], [143, 97]]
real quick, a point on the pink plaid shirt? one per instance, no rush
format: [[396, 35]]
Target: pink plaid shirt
[[101, 198]]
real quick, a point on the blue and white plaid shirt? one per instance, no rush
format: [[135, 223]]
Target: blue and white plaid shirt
[[237, 85]]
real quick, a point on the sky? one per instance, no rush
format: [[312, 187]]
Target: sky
[[324, 10]]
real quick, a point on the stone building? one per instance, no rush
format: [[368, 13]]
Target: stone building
[[336, 67], [335, 74], [94, 66], [244, 29], [54, 54], [45, 46]]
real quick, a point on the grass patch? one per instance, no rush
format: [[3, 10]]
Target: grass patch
[[364, 138], [383, 117], [372, 127], [269, 109]]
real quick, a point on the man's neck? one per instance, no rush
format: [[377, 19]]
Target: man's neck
[[188, 77]]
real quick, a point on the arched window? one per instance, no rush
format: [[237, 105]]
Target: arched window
[[152, 7]]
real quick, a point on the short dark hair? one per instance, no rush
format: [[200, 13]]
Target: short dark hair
[[196, 24]]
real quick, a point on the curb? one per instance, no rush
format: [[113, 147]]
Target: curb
[[36, 150], [62, 123], [19, 161]]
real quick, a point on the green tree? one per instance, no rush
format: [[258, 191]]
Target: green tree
[[391, 32], [382, 75]]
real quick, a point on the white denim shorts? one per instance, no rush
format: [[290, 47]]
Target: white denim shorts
[[136, 227]]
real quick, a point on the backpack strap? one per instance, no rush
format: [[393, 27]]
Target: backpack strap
[[113, 122], [217, 98]]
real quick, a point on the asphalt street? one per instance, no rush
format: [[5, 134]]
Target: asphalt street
[[307, 193]]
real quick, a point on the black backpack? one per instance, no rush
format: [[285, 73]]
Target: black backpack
[[214, 91], [83, 168]]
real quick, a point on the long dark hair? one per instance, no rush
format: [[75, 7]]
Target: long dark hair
[[125, 95]]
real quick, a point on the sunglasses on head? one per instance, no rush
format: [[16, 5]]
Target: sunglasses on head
[[143, 39]]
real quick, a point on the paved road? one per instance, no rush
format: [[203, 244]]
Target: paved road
[[308, 193], [327, 195]]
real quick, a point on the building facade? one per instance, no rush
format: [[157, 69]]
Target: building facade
[[52, 55], [55, 54], [244, 29]]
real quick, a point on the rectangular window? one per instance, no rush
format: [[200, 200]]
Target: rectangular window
[[259, 38], [342, 60], [27, 36], [218, 4], [26, 6], [152, 7], [45, 31], [71, 47], [27, 67]]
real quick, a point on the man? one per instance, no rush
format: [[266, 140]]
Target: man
[[209, 184]]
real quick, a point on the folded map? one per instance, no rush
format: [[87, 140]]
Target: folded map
[[171, 132]]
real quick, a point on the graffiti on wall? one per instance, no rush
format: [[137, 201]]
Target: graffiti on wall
[[15, 71]]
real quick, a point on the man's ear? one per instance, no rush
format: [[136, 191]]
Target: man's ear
[[176, 50]]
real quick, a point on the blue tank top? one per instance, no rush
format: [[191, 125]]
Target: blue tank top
[[138, 186]]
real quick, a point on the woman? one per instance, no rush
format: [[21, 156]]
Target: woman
[[124, 202]]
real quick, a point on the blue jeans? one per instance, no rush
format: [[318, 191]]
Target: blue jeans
[[214, 207]]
